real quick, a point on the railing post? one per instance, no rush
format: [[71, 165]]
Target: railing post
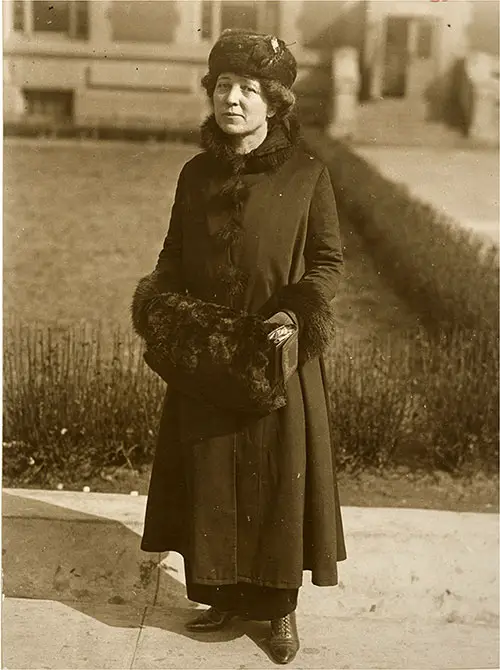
[[484, 122], [345, 88]]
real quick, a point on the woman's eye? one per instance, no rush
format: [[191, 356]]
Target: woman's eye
[[249, 89]]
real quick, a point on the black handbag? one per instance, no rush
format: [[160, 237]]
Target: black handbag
[[286, 351]]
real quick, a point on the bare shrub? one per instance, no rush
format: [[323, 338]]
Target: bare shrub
[[416, 399], [372, 400], [460, 373], [75, 402]]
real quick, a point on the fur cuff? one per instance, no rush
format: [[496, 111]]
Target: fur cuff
[[314, 314], [148, 289], [208, 351]]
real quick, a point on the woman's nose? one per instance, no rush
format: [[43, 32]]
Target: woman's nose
[[233, 95]]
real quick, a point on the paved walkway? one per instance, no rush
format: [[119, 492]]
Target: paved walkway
[[420, 590], [464, 184]]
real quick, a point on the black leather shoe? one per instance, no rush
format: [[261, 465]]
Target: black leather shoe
[[284, 641], [209, 620]]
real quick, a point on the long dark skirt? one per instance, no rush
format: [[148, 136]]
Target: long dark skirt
[[249, 601]]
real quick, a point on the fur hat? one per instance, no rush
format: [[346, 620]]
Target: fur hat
[[252, 54]]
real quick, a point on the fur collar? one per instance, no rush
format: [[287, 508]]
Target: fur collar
[[282, 138]]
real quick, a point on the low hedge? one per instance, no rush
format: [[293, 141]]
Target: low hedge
[[450, 279], [408, 400], [77, 401], [442, 271], [98, 131]]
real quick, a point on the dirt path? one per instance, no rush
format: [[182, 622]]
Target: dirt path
[[461, 184]]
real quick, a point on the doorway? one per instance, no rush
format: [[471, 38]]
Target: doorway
[[408, 56], [396, 59]]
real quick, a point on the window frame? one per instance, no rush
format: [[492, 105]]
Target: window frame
[[38, 104], [18, 9], [73, 32], [262, 9], [425, 39]]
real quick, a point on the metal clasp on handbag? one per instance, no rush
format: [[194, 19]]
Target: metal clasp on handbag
[[280, 334]]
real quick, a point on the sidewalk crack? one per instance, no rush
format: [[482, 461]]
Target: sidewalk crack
[[143, 618], [158, 577], [136, 646]]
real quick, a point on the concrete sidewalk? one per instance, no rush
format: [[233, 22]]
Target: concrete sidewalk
[[420, 590], [464, 184]]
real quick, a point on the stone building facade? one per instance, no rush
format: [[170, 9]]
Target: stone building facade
[[139, 62]]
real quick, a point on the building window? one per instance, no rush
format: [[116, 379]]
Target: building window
[[148, 21], [271, 17], [48, 105], [424, 39], [81, 29], [63, 17], [239, 14], [18, 16], [51, 16], [207, 19], [218, 15]]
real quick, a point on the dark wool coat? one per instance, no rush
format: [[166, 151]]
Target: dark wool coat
[[243, 497]]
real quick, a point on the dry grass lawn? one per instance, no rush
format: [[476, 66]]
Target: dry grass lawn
[[84, 220]]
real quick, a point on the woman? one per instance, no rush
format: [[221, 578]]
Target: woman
[[249, 500]]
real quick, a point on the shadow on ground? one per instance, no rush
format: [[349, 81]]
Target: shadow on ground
[[88, 562]]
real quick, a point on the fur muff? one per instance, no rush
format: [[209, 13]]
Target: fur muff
[[208, 351], [314, 314]]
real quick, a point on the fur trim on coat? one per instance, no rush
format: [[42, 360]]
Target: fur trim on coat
[[208, 351], [282, 138], [147, 290]]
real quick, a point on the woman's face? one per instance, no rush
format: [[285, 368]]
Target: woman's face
[[239, 104]]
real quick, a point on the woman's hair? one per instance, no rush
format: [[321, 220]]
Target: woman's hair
[[280, 98]]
